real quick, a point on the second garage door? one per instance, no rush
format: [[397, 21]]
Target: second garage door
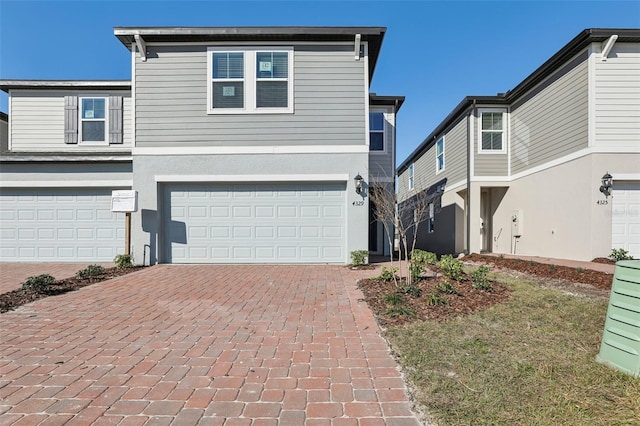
[[255, 223], [625, 218]]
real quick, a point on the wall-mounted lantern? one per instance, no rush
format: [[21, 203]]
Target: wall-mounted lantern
[[358, 181], [607, 183]]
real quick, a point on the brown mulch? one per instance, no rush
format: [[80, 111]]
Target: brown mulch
[[604, 260], [15, 298], [597, 279], [468, 300]]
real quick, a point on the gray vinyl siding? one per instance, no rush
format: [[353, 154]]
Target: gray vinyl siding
[[171, 102], [37, 121], [617, 89], [455, 169], [554, 122], [381, 164]]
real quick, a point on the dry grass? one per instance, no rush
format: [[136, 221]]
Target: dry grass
[[529, 361]]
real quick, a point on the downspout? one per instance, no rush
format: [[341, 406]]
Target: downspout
[[395, 147], [469, 148]]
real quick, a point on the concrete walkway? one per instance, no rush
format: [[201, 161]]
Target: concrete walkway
[[601, 267], [203, 344]]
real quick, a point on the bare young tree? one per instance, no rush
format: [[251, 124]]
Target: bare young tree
[[411, 213]]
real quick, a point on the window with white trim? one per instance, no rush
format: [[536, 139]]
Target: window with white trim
[[440, 155], [250, 80], [410, 176], [376, 131], [93, 120], [492, 132], [431, 219]]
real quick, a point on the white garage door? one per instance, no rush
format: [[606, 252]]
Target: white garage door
[[59, 225], [625, 220], [260, 223]]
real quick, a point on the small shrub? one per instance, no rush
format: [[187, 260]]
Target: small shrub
[[38, 282], [552, 268], [123, 261], [619, 254], [580, 270], [446, 287], [359, 257], [401, 311], [394, 299], [480, 279], [411, 290], [415, 269], [388, 274], [90, 271], [451, 267], [424, 257], [435, 299]]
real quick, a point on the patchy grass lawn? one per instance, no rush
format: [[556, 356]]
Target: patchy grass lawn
[[528, 361]]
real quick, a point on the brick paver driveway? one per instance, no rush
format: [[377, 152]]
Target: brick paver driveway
[[259, 345]]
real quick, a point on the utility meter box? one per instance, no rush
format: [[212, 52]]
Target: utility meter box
[[516, 223], [124, 201], [620, 346]]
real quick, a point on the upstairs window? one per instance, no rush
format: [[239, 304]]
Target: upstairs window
[[93, 120], [376, 131], [492, 132], [228, 80], [440, 155], [250, 80], [411, 176]]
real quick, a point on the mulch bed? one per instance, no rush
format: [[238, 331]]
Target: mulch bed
[[16, 298], [597, 279], [467, 301]]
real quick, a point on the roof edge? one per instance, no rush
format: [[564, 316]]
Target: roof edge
[[7, 85]]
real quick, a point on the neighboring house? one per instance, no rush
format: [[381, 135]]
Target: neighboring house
[[521, 172], [243, 145], [4, 132]]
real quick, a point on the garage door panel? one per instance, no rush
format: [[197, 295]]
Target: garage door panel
[[59, 224], [257, 222], [625, 217]]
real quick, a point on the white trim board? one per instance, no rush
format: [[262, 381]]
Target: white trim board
[[66, 183], [341, 177], [293, 149]]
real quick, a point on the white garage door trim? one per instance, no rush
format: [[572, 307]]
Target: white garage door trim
[[625, 217], [59, 225], [254, 223]]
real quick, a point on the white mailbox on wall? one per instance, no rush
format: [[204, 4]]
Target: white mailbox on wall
[[124, 201]]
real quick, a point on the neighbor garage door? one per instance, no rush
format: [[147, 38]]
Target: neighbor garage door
[[625, 219], [242, 223], [59, 224]]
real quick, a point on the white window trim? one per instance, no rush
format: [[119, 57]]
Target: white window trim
[[385, 123], [431, 219], [106, 120], [504, 131], [442, 138], [411, 171], [250, 79]]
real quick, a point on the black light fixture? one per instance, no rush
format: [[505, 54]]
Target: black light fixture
[[358, 181], [607, 183]]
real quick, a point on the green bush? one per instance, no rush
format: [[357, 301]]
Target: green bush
[[435, 299], [424, 257], [359, 257], [38, 282], [415, 269], [411, 290], [619, 254], [123, 261], [90, 271], [388, 274], [401, 311], [394, 298], [446, 287], [451, 267], [480, 279]]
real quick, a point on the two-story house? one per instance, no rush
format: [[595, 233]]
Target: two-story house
[[521, 172], [244, 144]]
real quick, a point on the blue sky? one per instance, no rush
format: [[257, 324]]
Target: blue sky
[[434, 53]]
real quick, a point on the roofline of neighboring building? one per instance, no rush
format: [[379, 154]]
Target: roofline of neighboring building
[[373, 35], [581, 41], [4, 116], [7, 85], [395, 101]]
